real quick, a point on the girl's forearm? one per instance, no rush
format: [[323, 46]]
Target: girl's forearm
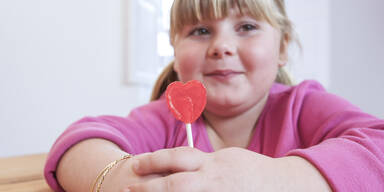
[[302, 175], [80, 165]]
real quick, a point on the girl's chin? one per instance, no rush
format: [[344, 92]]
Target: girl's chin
[[224, 102], [224, 111]]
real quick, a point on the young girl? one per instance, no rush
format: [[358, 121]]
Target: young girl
[[257, 132]]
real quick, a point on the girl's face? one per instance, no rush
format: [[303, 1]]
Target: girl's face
[[236, 58]]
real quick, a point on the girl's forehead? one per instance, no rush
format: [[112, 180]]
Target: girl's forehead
[[232, 13], [232, 17], [186, 16], [192, 12]]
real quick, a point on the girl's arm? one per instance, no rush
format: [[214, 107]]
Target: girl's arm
[[81, 164], [342, 142], [229, 169], [144, 130]]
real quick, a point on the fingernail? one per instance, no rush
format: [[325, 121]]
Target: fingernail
[[135, 166], [126, 190]]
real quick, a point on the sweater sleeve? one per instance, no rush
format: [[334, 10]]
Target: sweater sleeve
[[344, 143], [144, 130]]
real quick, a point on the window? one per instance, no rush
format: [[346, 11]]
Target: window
[[146, 41]]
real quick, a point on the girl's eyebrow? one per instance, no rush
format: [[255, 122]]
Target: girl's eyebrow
[[187, 28], [248, 17]]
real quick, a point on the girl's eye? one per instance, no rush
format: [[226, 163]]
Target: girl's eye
[[199, 31], [247, 27]]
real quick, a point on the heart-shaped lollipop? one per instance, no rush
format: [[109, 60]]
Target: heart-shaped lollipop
[[186, 102]]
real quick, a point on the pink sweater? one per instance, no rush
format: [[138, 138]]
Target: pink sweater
[[345, 144]]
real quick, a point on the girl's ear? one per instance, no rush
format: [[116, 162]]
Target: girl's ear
[[175, 66], [283, 56], [175, 63]]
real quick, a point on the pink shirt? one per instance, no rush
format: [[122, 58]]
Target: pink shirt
[[345, 144]]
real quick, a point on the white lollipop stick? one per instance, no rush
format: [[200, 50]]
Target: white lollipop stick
[[189, 134]]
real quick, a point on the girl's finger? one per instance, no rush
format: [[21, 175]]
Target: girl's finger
[[178, 182], [169, 161]]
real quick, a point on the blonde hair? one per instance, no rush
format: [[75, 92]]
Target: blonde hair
[[184, 12]]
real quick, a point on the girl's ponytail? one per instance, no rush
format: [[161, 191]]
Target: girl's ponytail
[[284, 77], [165, 78]]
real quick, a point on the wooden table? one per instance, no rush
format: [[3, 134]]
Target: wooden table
[[23, 173]]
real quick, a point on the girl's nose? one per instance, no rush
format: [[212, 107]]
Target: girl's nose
[[221, 47]]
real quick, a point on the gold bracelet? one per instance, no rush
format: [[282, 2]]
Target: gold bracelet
[[105, 171]]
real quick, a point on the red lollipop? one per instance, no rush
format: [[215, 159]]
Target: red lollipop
[[186, 102]]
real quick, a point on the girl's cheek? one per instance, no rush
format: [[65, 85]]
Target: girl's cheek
[[259, 56], [187, 71], [187, 60]]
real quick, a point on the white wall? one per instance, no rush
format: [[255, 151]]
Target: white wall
[[311, 23], [343, 48], [62, 60], [59, 61], [357, 53]]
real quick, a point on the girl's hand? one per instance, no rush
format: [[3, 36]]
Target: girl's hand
[[231, 169], [77, 175], [122, 175]]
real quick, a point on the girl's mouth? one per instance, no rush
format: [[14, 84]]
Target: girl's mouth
[[223, 74]]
